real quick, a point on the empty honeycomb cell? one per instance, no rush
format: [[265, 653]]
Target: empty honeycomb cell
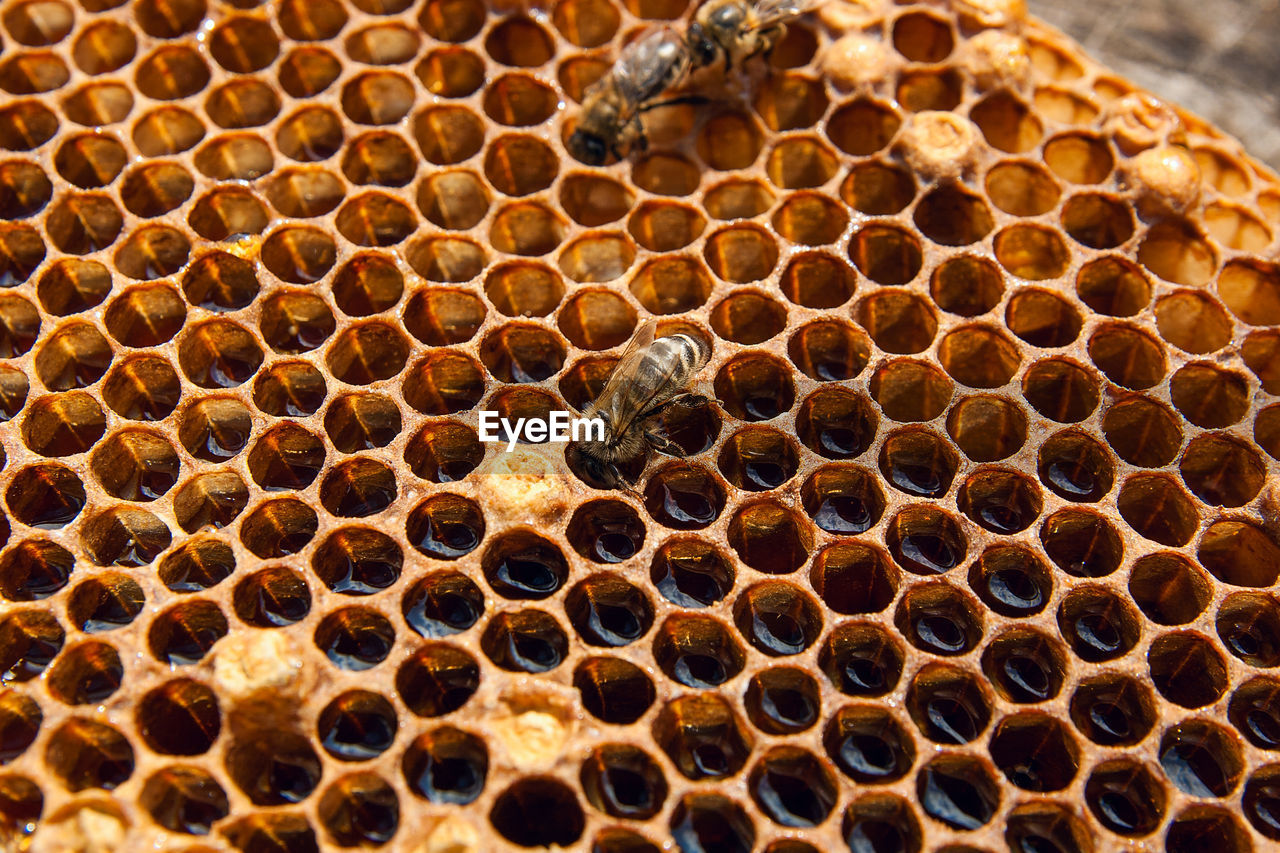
[[214, 498], [1235, 228], [447, 765], [271, 598], [939, 619], [782, 700], [1008, 124], [166, 131], [444, 382], [731, 140], [180, 717], [1142, 432], [135, 465], [790, 102], [155, 189], [898, 322], [21, 251], [828, 351], [273, 767], [1222, 471], [234, 157], [443, 452], [958, 791], [441, 316], [1022, 188], [909, 390], [691, 573], [19, 326], [86, 674], [27, 125], [24, 189], [529, 641], [519, 565], [918, 462], [520, 42], [878, 188], [596, 320], [451, 72], [597, 258], [880, 818], [793, 787], [1193, 322], [293, 322], [519, 165], [218, 354], [1246, 622], [1011, 580], [1175, 251], [171, 72], [741, 254], [697, 651], [1253, 711], [63, 424], [1187, 670], [978, 356], [448, 135], [215, 428], [1125, 797], [950, 216], [442, 603], [1075, 466], [777, 618], [1201, 758], [145, 316], [1260, 801], [861, 659], [367, 284], [925, 541], [242, 103], [360, 809], [1079, 158], [922, 90], [82, 224], [310, 135], [20, 719], [1096, 221], [308, 71], [586, 23], [1036, 752], [45, 495], [357, 488], [1170, 589], [869, 745], [303, 193], [623, 781], [1113, 710], [35, 569], [810, 220], [1128, 356], [800, 163], [1082, 543], [90, 161], [29, 642], [197, 565], [1251, 290], [1042, 318], [357, 725], [124, 536], [72, 285], [522, 353], [1209, 396], [1158, 508], [736, 200], [382, 98], [1024, 666], [527, 228], [33, 73], [517, 100], [98, 104], [382, 44], [85, 754], [104, 47], [1097, 625], [886, 254]]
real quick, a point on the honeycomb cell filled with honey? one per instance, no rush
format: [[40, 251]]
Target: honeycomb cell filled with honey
[[975, 547]]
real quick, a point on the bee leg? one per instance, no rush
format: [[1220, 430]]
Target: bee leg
[[662, 444], [690, 401], [694, 100]]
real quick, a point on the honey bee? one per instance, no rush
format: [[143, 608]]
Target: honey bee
[[733, 31], [651, 375], [611, 107]]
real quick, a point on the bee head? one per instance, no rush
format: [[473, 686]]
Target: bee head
[[594, 471], [588, 147]]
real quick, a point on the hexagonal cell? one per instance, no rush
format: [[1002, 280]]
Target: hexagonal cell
[[357, 488], [272, 598], [613, 690], [356, 725], [702, 736], [909, 390], [72, 286], [869, 745], [85, 754], [1036, 752], [792, 787], [1177, 252], [1061, 390], [357, 561], [1008, 124], [519, 565], [180, 717], [45, 495], [63, 424], [925, 540], [442, 603], [29, 641], [135, 465], [360, 809], [1201, 758], [872, 817], [441, 316], [196, 565], [86, 674], [447, 765], [782, 700], [443, 452], [939, 619], [218, 354], [886, 254], [525, 641], [1261, 795], [356, 422], [1025, 666], [127, 536], [444, 382], [697, 651], [35, 569]]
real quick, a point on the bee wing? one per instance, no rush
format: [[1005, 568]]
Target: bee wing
[[637, 349], [651, 64], [770, 12]]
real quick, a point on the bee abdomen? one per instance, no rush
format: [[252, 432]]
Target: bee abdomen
[[685, 352]]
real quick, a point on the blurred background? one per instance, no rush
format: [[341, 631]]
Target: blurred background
[[1217, 58]]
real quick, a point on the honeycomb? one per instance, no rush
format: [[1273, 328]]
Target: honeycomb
[[976, 550]]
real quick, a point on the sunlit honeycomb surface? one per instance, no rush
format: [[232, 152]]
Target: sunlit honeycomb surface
[[976, 551]]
